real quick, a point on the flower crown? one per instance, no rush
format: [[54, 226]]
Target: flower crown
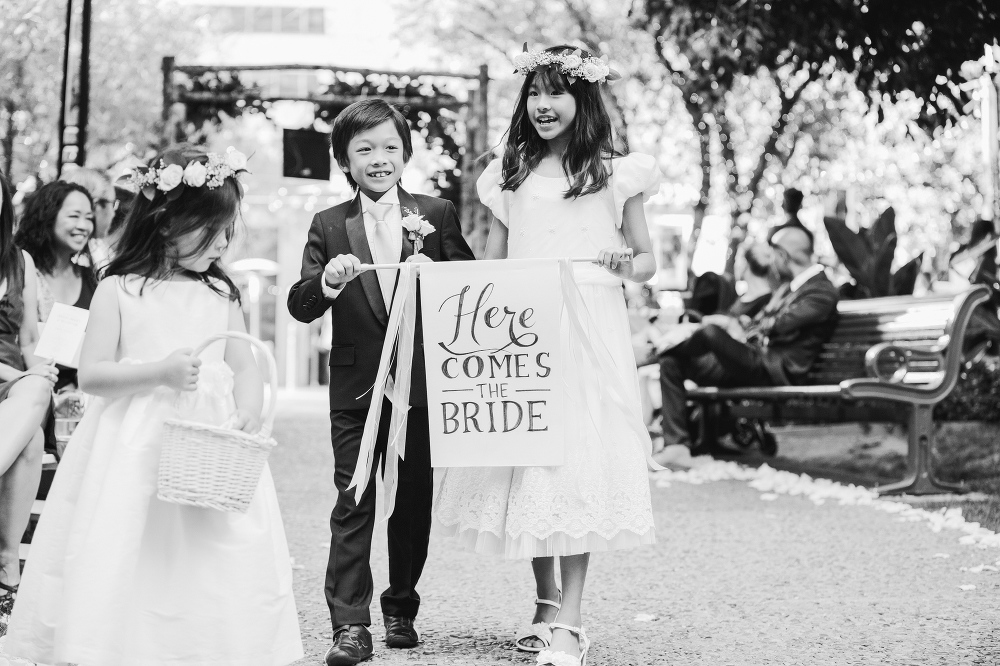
[[171, 176], [572, 64]]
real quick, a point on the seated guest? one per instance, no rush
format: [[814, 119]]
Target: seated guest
[[711, 293], [55, 227], [25, 390], [125, 199], [105, 199], [753, 268], [781, 343]]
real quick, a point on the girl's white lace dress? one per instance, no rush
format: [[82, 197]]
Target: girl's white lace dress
[[116, 577], [599, 499]]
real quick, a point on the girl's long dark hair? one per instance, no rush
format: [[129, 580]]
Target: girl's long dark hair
[[147, 245], [11, 261], [36, 230], [591, 142]]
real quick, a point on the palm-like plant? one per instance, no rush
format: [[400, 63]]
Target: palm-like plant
[[867, 254]]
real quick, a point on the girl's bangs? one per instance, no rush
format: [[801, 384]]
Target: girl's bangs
[[550, 78]]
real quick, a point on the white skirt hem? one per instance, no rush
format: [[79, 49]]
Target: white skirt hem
[[529, 546]]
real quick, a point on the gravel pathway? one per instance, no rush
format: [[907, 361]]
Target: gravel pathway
[[733, 580]]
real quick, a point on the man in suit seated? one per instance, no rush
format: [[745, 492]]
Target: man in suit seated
[[781, 342]]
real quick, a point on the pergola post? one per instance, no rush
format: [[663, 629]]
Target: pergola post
[[169, 98], [475, 219]]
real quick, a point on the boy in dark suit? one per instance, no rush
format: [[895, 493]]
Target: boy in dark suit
[[371, 144]]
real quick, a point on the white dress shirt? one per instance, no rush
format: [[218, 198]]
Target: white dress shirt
[[805, 276], [394, 221]]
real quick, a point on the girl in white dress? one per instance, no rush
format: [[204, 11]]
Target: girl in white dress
[[115, 576], [561, 190]]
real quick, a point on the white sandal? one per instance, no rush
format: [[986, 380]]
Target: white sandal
[[539, 631], [549, 658]]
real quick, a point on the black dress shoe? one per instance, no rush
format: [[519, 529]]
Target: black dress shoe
[[399, 632], [351, 644]]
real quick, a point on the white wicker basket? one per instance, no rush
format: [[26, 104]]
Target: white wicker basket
[[212, 467]]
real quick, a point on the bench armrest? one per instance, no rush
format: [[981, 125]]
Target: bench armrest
[[903, 356], [952, 360]]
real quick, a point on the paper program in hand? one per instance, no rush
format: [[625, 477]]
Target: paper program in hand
[[62, 335]]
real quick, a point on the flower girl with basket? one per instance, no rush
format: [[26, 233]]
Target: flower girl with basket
[[133, 562]]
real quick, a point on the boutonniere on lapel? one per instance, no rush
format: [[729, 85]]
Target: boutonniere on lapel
[[417, 227]]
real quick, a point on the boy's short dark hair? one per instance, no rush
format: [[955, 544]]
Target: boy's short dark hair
[[361, 117]]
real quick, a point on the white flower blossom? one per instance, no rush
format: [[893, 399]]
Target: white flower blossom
[[591, 71], [572, 61], [170, 177], [195, 174], [235, 160]]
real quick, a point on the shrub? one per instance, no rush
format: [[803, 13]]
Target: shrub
[[977, 395]]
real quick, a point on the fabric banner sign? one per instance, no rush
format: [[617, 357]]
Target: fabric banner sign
[[494, 367]]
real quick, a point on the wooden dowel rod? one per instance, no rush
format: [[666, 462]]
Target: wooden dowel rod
[[396, 267]]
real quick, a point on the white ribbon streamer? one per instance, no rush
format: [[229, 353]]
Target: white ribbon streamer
[[600, 357], [399, 339]]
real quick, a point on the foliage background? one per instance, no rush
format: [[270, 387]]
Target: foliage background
[[128, 40], [833, 137]]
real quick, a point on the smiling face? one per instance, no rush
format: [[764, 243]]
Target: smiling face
[[74, 223], [551, 109], [191, 256], [375, 159]]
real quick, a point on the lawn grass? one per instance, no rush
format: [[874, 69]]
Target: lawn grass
[[969, 453]]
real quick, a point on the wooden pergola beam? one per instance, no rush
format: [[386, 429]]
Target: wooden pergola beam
[[210, 97], [198, 70]]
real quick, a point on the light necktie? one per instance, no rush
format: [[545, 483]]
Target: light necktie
[[382, 248]]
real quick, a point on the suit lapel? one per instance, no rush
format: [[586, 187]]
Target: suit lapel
[[359, 248], [407, 206]]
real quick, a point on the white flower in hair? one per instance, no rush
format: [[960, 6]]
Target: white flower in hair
[[170, 177], [522, 60], [591, 71], [235, 160], [195, 174], [572, 64]]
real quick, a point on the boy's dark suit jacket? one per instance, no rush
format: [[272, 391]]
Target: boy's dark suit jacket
[[793, 327], [360, 316], [360, 319]]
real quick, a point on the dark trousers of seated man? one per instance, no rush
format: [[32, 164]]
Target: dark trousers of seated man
[[710, 357]]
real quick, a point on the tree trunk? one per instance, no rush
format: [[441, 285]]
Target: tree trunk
[[743, 197], [7, 143], [737, 231], [703, 128]]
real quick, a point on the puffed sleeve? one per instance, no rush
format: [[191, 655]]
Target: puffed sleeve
[[634, 174], [488, 187]]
